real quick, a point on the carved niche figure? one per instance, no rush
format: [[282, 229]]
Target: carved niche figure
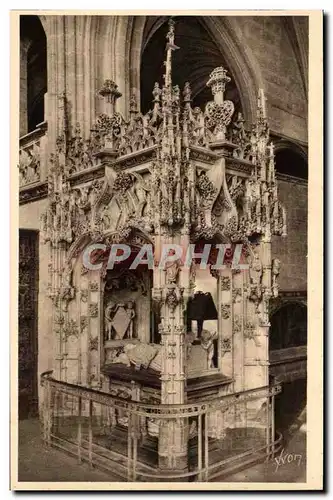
[[276, 264], [67, 291], [119, 320], [255, 291], [172, 269], [109, 312], [142, 191], [131, 315], [207, 343]]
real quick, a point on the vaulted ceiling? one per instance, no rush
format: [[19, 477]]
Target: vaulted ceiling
[[197, 57]]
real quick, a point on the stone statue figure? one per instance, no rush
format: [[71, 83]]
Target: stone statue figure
[[172, 269], [109, 312], [255, 292], [207, 342], [276, 264], [131, 314]]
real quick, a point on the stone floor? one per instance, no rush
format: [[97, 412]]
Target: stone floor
[[288, 466], [37, 463]]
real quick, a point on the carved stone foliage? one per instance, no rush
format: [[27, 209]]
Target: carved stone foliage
[[70, 209], [93, 286], [251, 333], [126, 279], [226, 344], [206, 189], [225, 283], [225, 311], [93, 344], [215, 210], [70, 329], [237, 324], [172, 298], [83, 322], [93, 310], [236, 294]]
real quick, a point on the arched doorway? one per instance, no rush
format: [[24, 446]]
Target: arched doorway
[[290, 161], [289, 407], [287, 340], [288, 327]]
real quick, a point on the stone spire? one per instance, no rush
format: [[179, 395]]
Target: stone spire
[[170, 47]]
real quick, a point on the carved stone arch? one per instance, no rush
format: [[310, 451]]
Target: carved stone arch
[[76, 248], [291, 158], [284, 310], [134, 237], [281, 302], [281, 144], [217, 210]]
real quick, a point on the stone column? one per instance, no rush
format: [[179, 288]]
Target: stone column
[[256, 326], [225, 314], [171, 295]]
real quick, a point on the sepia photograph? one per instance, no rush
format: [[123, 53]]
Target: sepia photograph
[[163, 246]]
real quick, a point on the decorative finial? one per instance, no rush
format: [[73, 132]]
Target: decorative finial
[[110, 92], [156, 92], [271, 167], [187, 92], [217, 81], [171, 35], [220, 111], [133, 103], [170, 47], [262, 104]]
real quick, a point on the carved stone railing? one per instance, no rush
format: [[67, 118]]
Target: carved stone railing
[[81, 421], [32, 157]]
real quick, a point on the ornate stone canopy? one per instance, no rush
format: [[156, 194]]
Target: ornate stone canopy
[[175, 175]]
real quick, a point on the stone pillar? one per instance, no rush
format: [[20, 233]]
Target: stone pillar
[[256, 326], [169, 292], [238, 320], [225, 315]]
